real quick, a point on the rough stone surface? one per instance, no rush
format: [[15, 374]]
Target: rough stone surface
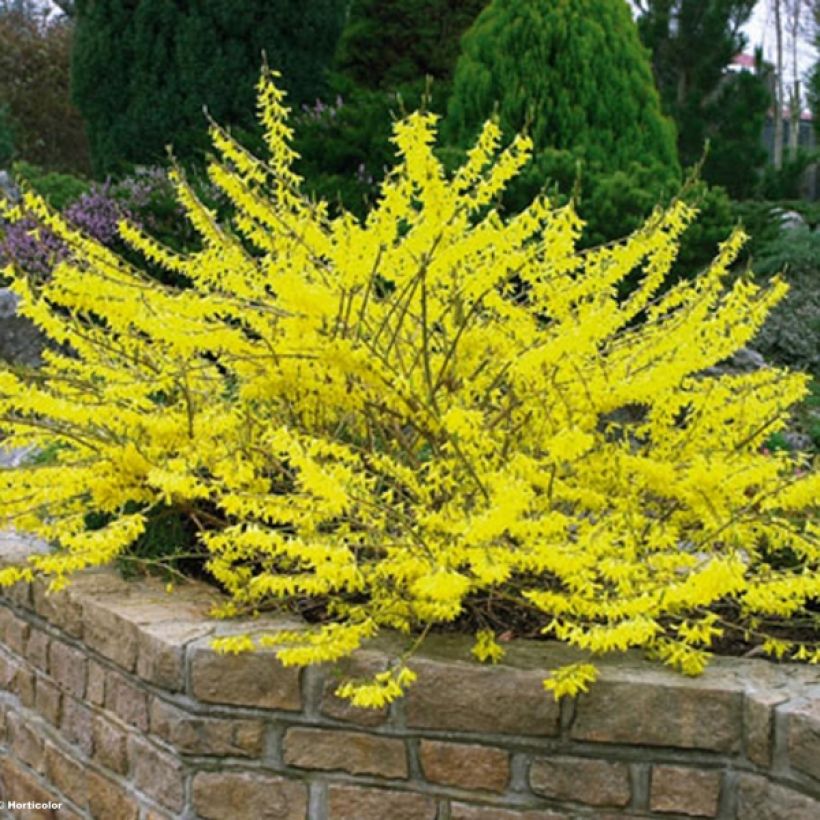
[[759, 721], [157, 774], [161, 652], [685, 790], [468, 811], [37, 649], [494, 700], [760, 799], [58, 608], [467, 766], [210, 736], [68, 668], [361, 665], [107, 799], [76, 725], [27, 743], [18, 784], [21, 343], [657, 715], [804, 737], [126, 701], [108, 633], [47, 699], [217, 795], [354, 803], [254, 679], [353, 752], [581, 780], [110, 745], [67, 774]]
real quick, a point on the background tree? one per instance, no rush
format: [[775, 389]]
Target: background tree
[[692, 44], [387, 43], [143, 72], [576, 75], [35, 53]]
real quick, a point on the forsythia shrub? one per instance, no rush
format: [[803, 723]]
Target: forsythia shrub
[[407, 416]]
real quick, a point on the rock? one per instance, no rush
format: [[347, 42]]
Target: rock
[[21, 343], [789, 220], [745, 360], [8, 189], [798, 442]]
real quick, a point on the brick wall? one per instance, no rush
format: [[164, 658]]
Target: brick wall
[[113, 703]]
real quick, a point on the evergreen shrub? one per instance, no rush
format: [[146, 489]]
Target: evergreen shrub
[[366, 414]]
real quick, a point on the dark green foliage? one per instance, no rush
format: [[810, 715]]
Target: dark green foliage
[[791, 335], [6, 136], [144, 71], [59, 190], [575, 75], [345, 145], [787, 181], [692, 43], [387, 43]]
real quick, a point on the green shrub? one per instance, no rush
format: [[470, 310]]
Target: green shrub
[[366, 414], [6, 137], [58, 189], [142, 72], [576, 77]]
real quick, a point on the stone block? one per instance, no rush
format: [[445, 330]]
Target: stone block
[[95, 689], [497, 700], [37, 649], [157, 774], [126, 701], [650, 712], [27, 742], [106, 631], [23, 685], [47, 699], [58, 608], [684, 790], [18, 784], [68, 667], [353, 752], [218, 795], [161, 651], [67, 774], [361, 665], [253, 679], [15, 631], [760, 799], [76, 725], [108, 800], [110, 745], [355, 803], [192, 734], [468, 766], [581, 780], [803, 736], [758, 718]]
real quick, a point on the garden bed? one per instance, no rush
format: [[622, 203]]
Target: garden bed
[[115, 705]]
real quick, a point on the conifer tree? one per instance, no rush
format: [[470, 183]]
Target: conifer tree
[[142, 72], [387, 43], [692, 44], [575, 74]]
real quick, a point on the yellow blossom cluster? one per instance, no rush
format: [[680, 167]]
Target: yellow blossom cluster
[[408, 417]]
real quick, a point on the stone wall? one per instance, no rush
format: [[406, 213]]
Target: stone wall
[[113, 704]]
